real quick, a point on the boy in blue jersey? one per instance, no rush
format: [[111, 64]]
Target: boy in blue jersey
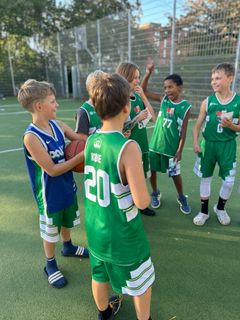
[[115, 190], [50, 174]]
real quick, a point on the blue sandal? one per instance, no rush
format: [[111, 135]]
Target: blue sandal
[[81, 252], [56, 279]]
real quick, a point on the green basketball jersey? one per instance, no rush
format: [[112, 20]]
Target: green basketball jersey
[[167, 131], [94, 120], [212, 129], [114, 226], [139, 132]]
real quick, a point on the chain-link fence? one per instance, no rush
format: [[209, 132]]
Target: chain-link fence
[[186, 37]]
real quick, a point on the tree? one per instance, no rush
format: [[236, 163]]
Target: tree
[[210, 27], [28, 17], [81, 12]]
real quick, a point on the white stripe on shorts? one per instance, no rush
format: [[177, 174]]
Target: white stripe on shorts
[[51, 239], [141, 279], [48, 231], [197, 167]]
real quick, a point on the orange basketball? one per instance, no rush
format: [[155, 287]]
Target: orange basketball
[[72, 149]]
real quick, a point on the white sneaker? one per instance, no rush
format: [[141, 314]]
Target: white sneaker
[[222, 216], [200, 219]]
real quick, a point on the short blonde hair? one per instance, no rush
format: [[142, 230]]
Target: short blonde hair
[[32, 91], [92, 80]]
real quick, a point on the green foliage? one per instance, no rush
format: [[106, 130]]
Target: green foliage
[[215, 22], [28, 17], [82, 11]]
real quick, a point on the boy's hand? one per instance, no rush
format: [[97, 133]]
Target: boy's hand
[[226, 123], [197, 148], [178, 156], [139, 90], [143, 115], [127, 133], [149, 67]]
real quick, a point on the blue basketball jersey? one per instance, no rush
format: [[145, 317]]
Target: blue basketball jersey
[[51, 193]]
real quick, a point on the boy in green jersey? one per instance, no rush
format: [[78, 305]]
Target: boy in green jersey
[[220, 114], [140, 107], [168, 136], [87, 120], [115, 190]]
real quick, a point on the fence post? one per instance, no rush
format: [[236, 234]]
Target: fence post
[[45, 59], [77, 64], [129, 35], [66, 82], [99, 45], [173, 38], [11, 68], [60, 63], [236, 62]]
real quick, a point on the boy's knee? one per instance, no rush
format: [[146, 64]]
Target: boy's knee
[[226, 189], [205, 187]]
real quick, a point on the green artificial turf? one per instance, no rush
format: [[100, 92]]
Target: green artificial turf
[[197, 268]]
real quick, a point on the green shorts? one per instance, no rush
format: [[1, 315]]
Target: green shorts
[[160, 163], [146, 164], [215, 152], [133, 280], [50, 224]]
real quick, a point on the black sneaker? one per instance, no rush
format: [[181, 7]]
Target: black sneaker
[[148, 212], [115, 303]]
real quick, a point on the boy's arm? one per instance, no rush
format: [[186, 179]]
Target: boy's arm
[[198, 125], [178, 155], [131, 169], [40, 155], [144, 84], [145, 101], [69, 132], [129, 125], [82, 124]]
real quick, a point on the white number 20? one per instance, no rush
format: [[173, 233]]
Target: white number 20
[[97, 187]]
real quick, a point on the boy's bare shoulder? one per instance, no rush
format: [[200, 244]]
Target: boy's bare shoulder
[[131, 150]]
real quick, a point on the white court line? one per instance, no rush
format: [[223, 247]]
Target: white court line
[[11, 113], [23, 112], [18, 105], [18, 149], [11, 150], [9, 105]]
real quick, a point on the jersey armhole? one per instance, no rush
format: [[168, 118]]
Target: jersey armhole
[[119, 159], [83, 121], [207, 102], [41, 140]]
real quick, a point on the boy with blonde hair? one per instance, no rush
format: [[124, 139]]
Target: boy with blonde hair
[[87, 120], [50, 174], [220, 114]]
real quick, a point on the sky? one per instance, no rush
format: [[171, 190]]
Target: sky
[[155, 11], [158, 11]]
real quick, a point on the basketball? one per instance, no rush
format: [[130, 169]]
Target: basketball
[[72, 149]]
